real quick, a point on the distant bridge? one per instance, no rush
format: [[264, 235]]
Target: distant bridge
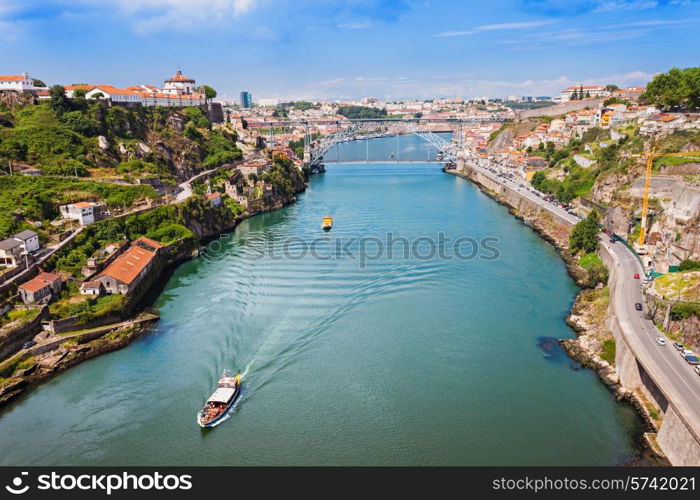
[[348, 130], [390, 160]]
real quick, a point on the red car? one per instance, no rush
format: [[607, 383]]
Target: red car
[[636, 276]]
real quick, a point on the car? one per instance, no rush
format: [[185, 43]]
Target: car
[[29, 344], [697, 370], [636, 276], [660, 340], [691, 359], [687, 352], [638, 306], [678, 346]]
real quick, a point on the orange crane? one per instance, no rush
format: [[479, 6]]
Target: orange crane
[[650, 156]]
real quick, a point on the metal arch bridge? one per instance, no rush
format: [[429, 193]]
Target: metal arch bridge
[[347, 130], [317, 151]]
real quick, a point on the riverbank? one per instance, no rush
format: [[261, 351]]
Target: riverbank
[[50, 358], [54, 354], [593, 341]]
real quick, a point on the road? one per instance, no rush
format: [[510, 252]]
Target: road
[[664, 364]]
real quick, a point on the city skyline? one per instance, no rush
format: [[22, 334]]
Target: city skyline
[[386, 49]]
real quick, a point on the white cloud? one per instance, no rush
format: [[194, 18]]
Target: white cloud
[[10, 32], [146, 16], [359, 25], [615, 5], [495, 27], [513, 26], [454, 33], [454, 85], [576, 37], [156, 15]]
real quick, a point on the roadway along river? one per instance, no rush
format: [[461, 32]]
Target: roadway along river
[[405, 361]]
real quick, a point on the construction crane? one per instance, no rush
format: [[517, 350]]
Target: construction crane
[[650, 156]]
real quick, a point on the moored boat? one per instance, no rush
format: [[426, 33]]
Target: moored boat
[[327, 223], [218, 404]]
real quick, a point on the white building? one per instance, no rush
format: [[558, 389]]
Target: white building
[[29, 240], [178, 91], [18, 83], [138, 97], [83, 212], [178, 84], [587, 90], [268, 102]]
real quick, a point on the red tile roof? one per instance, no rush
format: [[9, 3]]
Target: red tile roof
[[148, 241], [129, 265], [11, 78], [179, 77], [41, 281]]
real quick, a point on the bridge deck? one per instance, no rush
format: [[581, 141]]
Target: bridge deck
[[358, 162]]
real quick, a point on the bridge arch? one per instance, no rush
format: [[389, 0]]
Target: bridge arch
[[317, 151]]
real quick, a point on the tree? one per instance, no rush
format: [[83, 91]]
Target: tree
[[584, 236], [588, 94], [678, 88], [279, 113], [209, 92], [303, 105], [611, 88], [79, 93], [38, 83], [59, 103]]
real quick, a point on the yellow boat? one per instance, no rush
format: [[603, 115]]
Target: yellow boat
[[327, 223]]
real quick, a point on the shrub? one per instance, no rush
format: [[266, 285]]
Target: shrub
[[79, 122], [689, 265], [609, 349]]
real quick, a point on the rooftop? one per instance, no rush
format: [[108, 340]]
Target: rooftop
[[129, 265], [25, 235], [41, 281]]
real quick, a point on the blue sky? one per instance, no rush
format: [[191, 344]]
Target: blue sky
[[353, 48]]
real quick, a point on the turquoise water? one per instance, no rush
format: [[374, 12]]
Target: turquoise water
[[424, 361]]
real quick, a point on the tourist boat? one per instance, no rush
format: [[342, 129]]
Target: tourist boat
[[391, 156], [219, 403], [327, 223]]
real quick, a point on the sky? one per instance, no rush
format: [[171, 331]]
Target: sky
[[322, 49]]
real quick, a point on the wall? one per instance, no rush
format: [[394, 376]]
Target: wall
[[12, 341], [508, 195], [560, 109], [74, 323]]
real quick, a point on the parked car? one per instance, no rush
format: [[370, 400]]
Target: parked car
[[638, 306], [687, 352], [678, 346], [636, 276], [29, 344], [692, 359], [660, 340], [697, 370]]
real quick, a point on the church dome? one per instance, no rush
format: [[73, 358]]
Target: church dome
[[179, 77]]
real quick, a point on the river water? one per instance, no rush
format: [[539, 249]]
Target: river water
[[422, 360]]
